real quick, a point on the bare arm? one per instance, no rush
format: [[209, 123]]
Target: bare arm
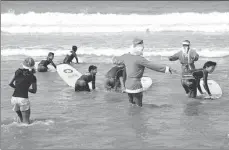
[[76, 58]]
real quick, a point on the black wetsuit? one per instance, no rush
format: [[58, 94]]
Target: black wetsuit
[[198, 74], [23, 80], [82, 83], [43, 65], [113, 76], [68, 59]]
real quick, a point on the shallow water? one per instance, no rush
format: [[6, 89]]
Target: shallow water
[[62, 118], [65, 119]]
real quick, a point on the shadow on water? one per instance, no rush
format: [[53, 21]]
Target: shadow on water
[[192, 108]]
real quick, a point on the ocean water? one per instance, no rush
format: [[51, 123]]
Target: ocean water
[[62, 118]]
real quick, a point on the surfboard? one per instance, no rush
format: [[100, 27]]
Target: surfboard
[[50, 67], [146, 84], [214, 88], [69, 74]]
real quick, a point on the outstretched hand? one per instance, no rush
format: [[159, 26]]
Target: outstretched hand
[[172, 71]]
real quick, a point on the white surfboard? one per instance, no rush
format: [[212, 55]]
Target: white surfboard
[[69, 74], [146, 84], [50, 67], [214, 88]]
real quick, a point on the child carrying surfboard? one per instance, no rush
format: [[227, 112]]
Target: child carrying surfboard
[[43, 65], [135, 65], [82, 82], [208, 68], [23, 78]]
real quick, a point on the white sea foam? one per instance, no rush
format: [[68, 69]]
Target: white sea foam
[[109, 51], [88, 23]]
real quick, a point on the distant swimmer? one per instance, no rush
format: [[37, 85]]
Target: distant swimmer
[[43, 65], [82, 82], [208, 68], [115, 78], [187, 58], [72, 54], [135, 65], [23, 78]]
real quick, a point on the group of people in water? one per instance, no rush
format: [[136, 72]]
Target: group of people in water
[[126, 74]]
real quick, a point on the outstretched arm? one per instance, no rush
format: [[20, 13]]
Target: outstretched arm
[[153, 66], [174, 57]]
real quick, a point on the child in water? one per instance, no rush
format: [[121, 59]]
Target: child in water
[[68, 59], [23, 78], [43, 65], [208, 68], [82, 82], [115, 78]]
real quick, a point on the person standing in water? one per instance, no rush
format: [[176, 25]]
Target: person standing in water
[[187, 58], [208, 68], [43, 65], [68, 59], [135, 65], [23, 78]]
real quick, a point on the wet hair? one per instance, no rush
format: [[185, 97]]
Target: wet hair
[[209, 64], [50, 54], [74, 48], [92, 67]]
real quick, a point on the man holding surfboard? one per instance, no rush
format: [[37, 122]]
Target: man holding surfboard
[[135, 64], [187, 58]]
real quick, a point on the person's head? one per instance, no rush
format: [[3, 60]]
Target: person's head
[[92, 69], [74, 48], [186, 46], [50, 55], [28, 63], [138, 47], [209, 66]]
